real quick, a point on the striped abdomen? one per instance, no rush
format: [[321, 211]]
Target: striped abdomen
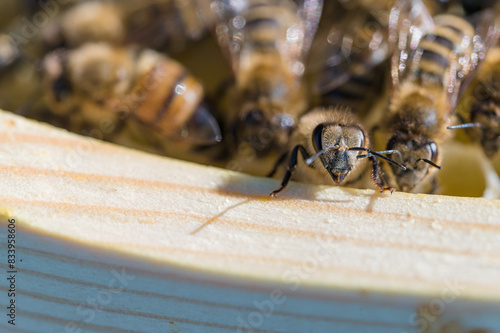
[[437, 50], [170, 96], [170, 101], [267, 23]]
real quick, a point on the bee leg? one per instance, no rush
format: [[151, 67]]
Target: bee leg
[[291, 168], [277, 164], [377, 181]]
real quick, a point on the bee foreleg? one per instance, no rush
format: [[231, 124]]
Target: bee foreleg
[[376, 179], [277, 164], [291, 168]]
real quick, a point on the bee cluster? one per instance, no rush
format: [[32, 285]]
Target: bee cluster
[[348, 92]]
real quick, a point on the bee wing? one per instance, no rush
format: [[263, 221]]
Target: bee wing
[[288, 27], [409, 20], [228, 26], [355, 44], [310, 14], [487, 33]]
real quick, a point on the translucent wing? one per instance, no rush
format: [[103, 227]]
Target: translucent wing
[[409, 20], [246, 26], [446, 51], [487, 33], [469, 53], [356, 44]]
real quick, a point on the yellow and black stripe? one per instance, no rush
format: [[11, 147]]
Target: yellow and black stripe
[[438, 48], [173, 102], [266, 23]]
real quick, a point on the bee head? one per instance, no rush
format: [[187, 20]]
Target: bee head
[[417, 154], [263, 130], [332, 143]]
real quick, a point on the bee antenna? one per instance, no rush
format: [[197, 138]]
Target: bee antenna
[[379, 154], [467, 125], [391, 151], [318, 154], [430, 162]]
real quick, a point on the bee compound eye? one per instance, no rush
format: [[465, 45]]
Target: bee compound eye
[[317, 137], [362, 138], [434, 151]]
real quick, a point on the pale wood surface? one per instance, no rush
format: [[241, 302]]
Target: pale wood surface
[[197, 237]]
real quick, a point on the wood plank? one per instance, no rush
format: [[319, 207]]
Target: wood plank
[[207, 246]]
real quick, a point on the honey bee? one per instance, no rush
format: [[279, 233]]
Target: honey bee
[[97, 82], [432, 58], [337, 138], [332, 139], [266, 42], [358, 53], [161, 24], [164, 25]]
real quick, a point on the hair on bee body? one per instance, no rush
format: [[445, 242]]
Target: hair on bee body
[[332, 140], [266, 43], [334, 147], [432, 58], [479, 109], [98, 79]]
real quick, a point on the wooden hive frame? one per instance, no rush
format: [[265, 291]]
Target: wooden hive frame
[[109, 239]]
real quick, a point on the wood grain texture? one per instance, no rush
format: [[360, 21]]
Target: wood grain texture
[[209, 251]]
